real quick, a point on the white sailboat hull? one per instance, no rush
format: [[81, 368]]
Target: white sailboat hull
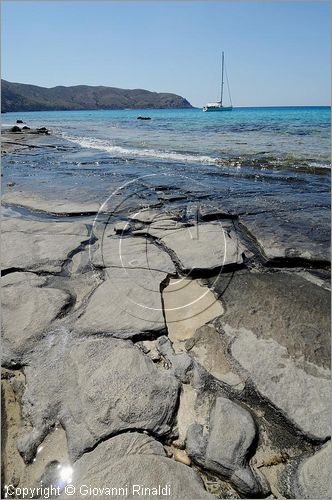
[[217, 108]]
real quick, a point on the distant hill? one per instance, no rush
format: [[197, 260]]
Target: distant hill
[[23, 97]]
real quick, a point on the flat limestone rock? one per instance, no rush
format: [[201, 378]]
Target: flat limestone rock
[[132, 253], [300, 234], [126, 305], [248, 203], [285, 346], [28, 310], [286, 383], [162, 226], [34, 202], [224, 448], [186, 413], [188, 305], [135, 465], [204, 246], [146, 215], [207, 347], [39, 246], [213, 212], [96, 387], [314, 475], [281, 306]]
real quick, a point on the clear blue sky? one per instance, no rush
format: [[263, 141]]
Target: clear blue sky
[[277, 53]]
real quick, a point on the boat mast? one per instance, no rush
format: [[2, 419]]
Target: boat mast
[[222, 77]]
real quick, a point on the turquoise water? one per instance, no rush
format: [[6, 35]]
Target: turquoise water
[[257, 159], [292, 136]]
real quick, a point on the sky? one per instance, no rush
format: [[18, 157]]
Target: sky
[[277, 53]]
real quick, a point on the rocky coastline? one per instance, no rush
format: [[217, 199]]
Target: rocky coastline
[[142, 345]]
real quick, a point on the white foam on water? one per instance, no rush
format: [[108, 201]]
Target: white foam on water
[[319, 164], [102, 145]]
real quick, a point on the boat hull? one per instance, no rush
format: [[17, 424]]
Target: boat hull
[[221, 108]]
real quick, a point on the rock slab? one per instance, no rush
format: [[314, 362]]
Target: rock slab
[[298, 234], [131, 461], [286, 384], [96, 387], [39, 246], [224, 449], [28, 310], [126, 305]]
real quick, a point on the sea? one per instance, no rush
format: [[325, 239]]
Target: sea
[[276, 154]]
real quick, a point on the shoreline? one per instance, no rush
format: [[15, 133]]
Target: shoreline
[[12, 142]]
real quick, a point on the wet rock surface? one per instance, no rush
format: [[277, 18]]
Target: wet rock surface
[[303, 234], [36, 203]]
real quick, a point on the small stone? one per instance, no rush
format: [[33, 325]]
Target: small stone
[[122, 227], [179, 443], [181, 456], [150, 348]]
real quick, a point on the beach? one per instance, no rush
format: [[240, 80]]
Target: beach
[[166, 303]]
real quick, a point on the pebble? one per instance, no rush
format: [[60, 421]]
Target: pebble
[[181, 456]]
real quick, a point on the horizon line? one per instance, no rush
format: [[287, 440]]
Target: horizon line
[[163, 109]]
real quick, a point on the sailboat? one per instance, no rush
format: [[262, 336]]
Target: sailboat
[[218, 106]]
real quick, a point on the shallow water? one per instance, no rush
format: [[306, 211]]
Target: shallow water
[[251, 153], [191, 135]]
